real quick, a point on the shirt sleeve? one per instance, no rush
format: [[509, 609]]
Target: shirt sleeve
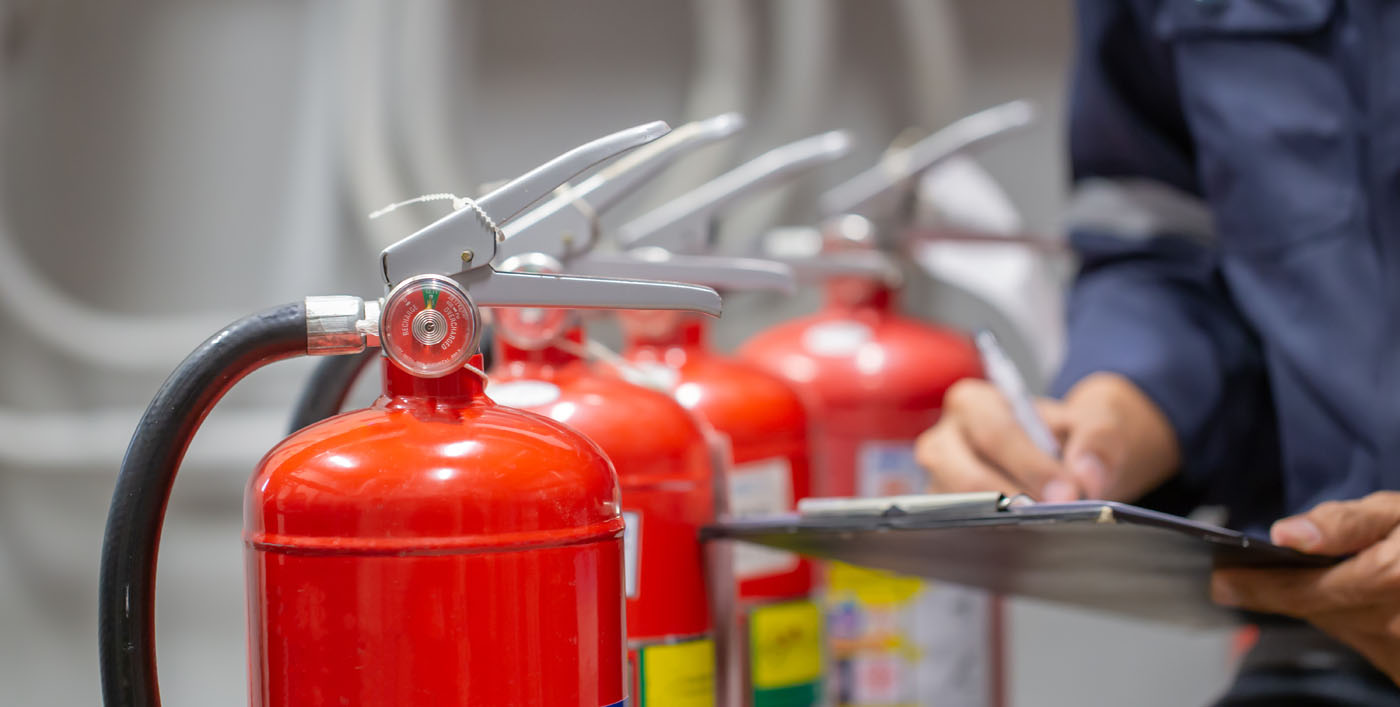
[[1149, 302]]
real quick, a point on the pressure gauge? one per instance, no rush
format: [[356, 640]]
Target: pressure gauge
[[430, 326]]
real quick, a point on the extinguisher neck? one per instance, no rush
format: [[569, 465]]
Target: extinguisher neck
[[863, 294], [688, 332], [527, 362], [464, 385], [694, 331]]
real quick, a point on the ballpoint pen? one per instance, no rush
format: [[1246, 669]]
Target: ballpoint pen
[[1007, 378]]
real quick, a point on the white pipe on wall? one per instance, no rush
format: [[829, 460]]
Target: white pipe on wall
[[725, 63], [374, 173], [804, 42], [436, 69], [934, 56]]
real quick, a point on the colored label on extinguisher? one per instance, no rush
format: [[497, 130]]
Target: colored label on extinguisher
[[617, 704], [677, 674], [889, 469], [761, 488], [631, 550], [785, 654], [899, 641]]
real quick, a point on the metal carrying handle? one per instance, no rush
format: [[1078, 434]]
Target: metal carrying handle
[[564, 228], [490, 288], [717, 271], [465, 242], [803, 249], [566, 224], [891, 179], [467, 238], [683, 224], [872, 264]]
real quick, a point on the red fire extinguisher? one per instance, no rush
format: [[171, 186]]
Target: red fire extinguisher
[[765, 421], [671, 464], [542, 367], [666, 474], [877, 379], [435, 548], [660, 450]]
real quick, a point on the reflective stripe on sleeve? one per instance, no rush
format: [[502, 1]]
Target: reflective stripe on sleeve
[[1138, 209]]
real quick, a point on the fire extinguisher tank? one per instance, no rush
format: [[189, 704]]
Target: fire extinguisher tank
[[765, 421], [666, 473], [438, 549], [877, 380], [872, 374], [766, 424]]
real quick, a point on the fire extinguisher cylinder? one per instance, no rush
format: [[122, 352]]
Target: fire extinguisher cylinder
[[435, 548]]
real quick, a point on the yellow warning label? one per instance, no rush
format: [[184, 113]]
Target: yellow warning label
[[679, 674], [871, 587], [786, 644]]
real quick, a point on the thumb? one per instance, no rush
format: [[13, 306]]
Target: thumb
[[1341, 527], [1090, 455]]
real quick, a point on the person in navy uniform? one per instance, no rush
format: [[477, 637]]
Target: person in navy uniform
[[1234, 329]]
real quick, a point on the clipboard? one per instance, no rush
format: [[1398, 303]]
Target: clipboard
[[1099, 555]]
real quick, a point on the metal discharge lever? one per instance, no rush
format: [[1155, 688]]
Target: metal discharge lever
[[684, 224]]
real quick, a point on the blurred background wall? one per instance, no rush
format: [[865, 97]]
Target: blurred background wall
[[169, 164]]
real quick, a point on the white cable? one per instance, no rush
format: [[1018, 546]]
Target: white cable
[[933, 52], [723, 81], [309, 221], [436, 67], [804, 33], [373, 172], [89, 440], [82, 332], [96, 439], [103, 338], [100, 338]]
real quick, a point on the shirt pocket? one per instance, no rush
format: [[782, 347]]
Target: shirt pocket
[[1271, 114]]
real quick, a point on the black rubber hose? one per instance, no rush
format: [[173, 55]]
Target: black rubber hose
[[330, 384], [126, 591]]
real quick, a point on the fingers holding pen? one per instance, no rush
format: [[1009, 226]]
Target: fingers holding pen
[[995, 435], [978, 445], [953, 465]]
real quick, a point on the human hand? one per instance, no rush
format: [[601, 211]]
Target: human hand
[[1356, 601], [1117, 444]]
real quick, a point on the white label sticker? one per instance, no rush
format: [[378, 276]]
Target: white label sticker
[[523, 393], [880, 680], [838, 338], [889, 469], [761, 488], [631, 549]]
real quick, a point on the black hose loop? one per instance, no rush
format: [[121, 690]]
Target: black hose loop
[[329, 386], [126, 592]]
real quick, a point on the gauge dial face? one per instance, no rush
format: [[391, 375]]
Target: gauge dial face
[[430, 327]]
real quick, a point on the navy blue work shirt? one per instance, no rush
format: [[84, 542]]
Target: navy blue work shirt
[[1237, 211]]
